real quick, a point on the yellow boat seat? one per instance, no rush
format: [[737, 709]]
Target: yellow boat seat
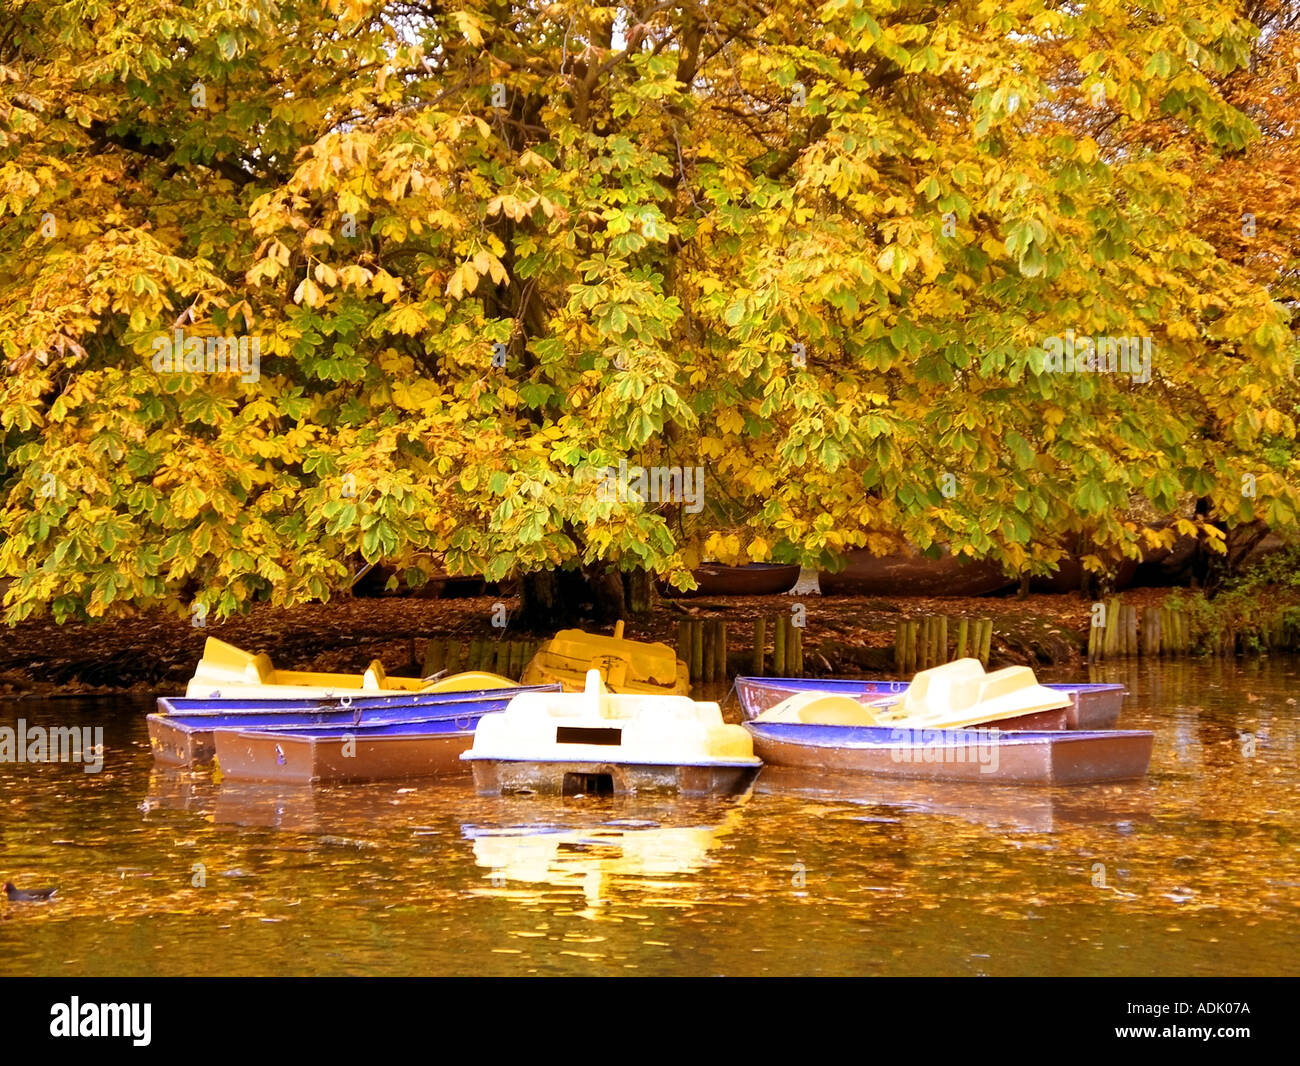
[[374, 677], [820, 708]]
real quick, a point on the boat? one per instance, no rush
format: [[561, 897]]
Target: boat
[[625, 666], [181, 733], [953, 696], [598, 742], [753, 579], [989, 755], [948, 725], [339, 754], [1091, 706], [228, 670], [912, 574]]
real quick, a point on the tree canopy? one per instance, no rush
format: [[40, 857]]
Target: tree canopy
[[488, 250]]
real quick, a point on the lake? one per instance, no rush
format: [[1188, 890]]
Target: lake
[[1194, 871]]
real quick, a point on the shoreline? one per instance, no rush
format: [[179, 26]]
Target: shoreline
[[154, 653]]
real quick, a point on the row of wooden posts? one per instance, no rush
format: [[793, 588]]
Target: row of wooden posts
[[505, 657], [1119, 631], [702, 645], [924, 643]]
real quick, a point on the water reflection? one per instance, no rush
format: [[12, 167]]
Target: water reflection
[[624, 846]]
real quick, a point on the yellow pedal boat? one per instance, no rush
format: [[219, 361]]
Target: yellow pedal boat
[[625, 666], [227, 670], [955, 695], [594, 742]]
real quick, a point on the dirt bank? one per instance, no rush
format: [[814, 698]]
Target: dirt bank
[[156, 653]]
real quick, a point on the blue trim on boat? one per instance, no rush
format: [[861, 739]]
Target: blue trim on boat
[[182, 706], [855, 686], [864, 736]]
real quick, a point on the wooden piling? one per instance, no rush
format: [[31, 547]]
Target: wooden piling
[[435, 654], [986, 641], [795, 646], [707, 663], [913, 631], [1113, 645], [720, 651], [943, 639], [778, 647], [697, 651], [760, 640], [963, 627], [501, 657], [684, 641], [900, 645]]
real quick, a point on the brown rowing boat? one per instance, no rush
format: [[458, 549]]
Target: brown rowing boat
[[341, 757]]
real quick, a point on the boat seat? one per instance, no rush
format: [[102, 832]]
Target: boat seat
[[1006, 681], [259, 670], [375, 677], [820, 708], [943, 688]]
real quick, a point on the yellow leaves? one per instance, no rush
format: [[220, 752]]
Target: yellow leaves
[[409, 320], [387, 285], [314, 237], [463, 280], [325, 275], [712, 448], [487, 263], [355, 277], [725, 547], [759, 550], [309, 293], [730, 421], [470, 27]]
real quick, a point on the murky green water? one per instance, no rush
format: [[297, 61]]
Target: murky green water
[[1195, 871]]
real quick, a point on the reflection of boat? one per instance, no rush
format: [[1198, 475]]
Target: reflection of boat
[[600, 742], [182, 734], [1021, 807], [1091, 706], [228, 671], [604, 853], [625, 665], [350, 753], [913, 574], [1055, 757], [753, 579]]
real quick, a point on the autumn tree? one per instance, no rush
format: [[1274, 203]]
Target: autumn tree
[[489, 251]]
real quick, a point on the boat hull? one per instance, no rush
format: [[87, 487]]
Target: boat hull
[[496, 776], [757, 579], [185, 734], [314, 758], [1024, 758], [910, 574], [1091, 706]]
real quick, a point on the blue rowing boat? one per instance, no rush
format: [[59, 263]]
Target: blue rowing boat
[[181, 734], [1091, 706], [1042, 757]]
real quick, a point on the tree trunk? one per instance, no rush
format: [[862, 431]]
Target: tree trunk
[[554, 599]]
